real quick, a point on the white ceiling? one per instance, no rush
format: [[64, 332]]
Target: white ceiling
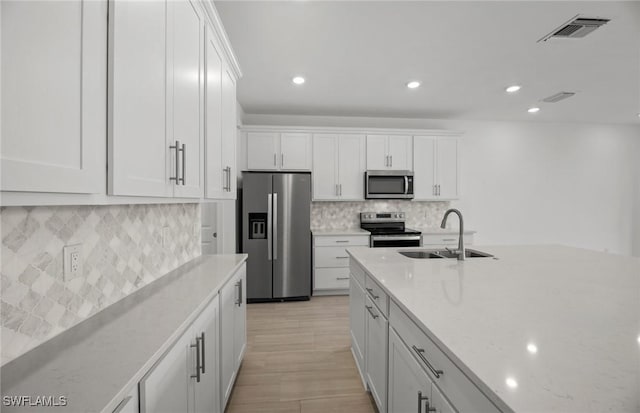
[[358, 56]]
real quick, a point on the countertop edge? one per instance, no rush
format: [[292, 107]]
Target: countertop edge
[[166, 346], [482, 387]]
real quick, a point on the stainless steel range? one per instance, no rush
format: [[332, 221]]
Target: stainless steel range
[[387, 230]]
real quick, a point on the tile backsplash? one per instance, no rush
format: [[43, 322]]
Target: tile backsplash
[[336, 215], [122, 250]]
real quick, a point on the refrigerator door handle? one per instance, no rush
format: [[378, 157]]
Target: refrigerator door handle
[[275, 226], [269, 226]]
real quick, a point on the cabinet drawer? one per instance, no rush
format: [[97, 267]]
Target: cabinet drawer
[[453, 383], [444, 240], [377, 295], [357, 272], [352, 240], [331, 278], [331, 257]]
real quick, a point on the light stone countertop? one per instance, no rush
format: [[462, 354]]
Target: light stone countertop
[[340, 231], [97, 362], [445, 231], [562, 323]]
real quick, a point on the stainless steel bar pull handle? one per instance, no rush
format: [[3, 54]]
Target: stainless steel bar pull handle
[[203, 351], [177, 162], [342, 278], [269, 227], [197, 347], [275, 226], [239, 287], [282, 159], [274, 159], [241, 294], [391, 161], [184, 164], [370, 310], [370, 291], [340, 189], [122, 404], [420, 353]]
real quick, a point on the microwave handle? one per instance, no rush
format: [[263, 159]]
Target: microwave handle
[[406, 185]]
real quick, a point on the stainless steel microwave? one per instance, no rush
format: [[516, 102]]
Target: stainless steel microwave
[[388, 184]]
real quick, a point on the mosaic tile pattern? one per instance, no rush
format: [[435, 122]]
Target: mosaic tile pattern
[[122, 251], [336, 215]]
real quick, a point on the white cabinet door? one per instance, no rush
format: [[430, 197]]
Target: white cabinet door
[[351, 166], [440, 403], [325, 168], [205, 331], [377, 328], [424, 168], [399, 151], [130, 404], [229, 134], [357, 322], [165, 388], [54, 60], [139, 153], [214, 170], [377, 156], [240, 318], [228, 296], [447, 168], [184, 76], [295, 151], [233, 333], [407, 381], [262, 150]]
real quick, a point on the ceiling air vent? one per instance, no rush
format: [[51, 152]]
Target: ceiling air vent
[[558, 97], [576, 28]]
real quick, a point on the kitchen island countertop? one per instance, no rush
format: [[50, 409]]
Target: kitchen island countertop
[[539, 329]]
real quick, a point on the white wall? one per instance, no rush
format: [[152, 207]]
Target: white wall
[[535, 182], [636, 205]]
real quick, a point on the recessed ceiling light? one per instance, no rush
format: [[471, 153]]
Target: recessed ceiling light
[[639, 115], [533, 110], [532, 348], [513, 89], [511, 382], [413, 84], [298, 80]]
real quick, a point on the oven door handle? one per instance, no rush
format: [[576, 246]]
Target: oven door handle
[[398, 238]]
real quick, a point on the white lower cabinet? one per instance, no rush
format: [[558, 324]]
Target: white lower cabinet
[[185, 379], [377, 328], [409, 385], [233, 332], [130, 404], [331, 262], [357, 322]]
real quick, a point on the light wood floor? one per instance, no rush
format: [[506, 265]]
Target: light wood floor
[[298, 360]]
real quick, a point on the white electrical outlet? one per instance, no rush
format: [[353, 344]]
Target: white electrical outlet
[[165, 237], [72, 261]]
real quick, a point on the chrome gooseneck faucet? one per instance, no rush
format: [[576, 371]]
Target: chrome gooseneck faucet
[[460, 251]]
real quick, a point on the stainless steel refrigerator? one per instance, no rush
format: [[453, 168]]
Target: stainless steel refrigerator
[[276, 234]]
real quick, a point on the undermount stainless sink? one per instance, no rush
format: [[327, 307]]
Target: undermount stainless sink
[[427, 254]]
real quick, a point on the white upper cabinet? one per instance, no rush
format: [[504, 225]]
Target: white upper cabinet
[[295, 151], [185, 57], [214, 170], [351, 167], [338, 167], [392, 152], [436, 168], [325, 167], [54, 75], [220, 123], [229, 134], [273, 151], [262, 150], [139, 153]]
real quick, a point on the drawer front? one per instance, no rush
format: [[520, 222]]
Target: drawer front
[[453, 383], [357, 272], [349, 241], [445, 240], [331, 279], [331, 257], [377, 295]]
